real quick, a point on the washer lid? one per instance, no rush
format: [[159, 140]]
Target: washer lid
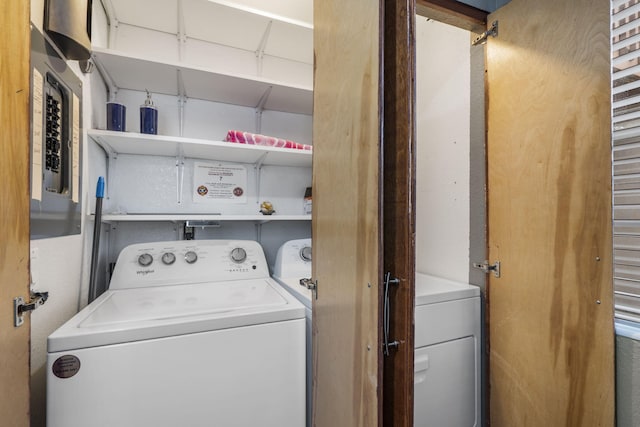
[[126, 315], [432, 289], [292, 284]]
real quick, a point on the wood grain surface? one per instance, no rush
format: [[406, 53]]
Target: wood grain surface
[[454, 13], [346, 219], [549, 209], [14, 210]]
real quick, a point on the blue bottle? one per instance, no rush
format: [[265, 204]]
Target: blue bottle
[[148, 117], [116, 116]]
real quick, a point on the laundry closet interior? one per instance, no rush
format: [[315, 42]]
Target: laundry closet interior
[[212, 67]]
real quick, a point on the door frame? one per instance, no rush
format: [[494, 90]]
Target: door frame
[[399, 184], [398, 199]]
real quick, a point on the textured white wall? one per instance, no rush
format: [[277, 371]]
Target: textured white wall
[[56, 268], [443, 141]]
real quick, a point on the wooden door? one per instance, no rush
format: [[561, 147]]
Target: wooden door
[[346, 227], [14, 210], [363, 223], [551, 332]]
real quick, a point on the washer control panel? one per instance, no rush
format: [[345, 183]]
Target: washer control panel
[[294, 259], [189, 261]]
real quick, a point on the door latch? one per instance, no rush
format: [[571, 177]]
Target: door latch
[[20, 307], [312, 285], [487, 268]]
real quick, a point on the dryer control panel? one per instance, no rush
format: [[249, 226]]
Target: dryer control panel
[[188, 261], [294, 259]]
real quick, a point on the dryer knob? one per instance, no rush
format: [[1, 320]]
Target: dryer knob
[[168, 258], [145, 260], [305, 253], [238, 255], [191, 257]]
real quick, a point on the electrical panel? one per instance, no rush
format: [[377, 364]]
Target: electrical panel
[[56, 142]]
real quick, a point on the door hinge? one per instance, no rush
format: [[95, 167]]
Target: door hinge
[[487, 268], [491, 32], [311, 285], [20, 307]]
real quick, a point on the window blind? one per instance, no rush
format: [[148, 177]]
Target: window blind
[[625, 105]]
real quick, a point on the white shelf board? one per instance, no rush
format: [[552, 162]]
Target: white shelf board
[[136, 73], [161, 145], [199, 217]]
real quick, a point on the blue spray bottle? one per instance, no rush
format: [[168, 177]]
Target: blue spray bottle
[[148, 117]]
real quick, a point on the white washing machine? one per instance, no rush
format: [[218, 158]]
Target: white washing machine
[[293, 262], [447, 357], [189, 333]]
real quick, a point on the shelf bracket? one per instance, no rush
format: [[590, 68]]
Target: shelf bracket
[[112, 165], [106, 77], [260, 108], [182, 100], [258, 167], [111, 156], [179, 173], [182, 37], [258, 232], [112, 20], [261, 48]]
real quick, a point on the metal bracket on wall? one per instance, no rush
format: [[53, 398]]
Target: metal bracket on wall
[[260, 108], [179, 174], [182, 100], [261, 48], [258, 168]]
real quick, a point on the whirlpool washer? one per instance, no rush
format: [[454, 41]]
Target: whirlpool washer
[[189, 333]]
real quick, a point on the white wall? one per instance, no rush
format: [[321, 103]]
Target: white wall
[[442, 113], [56, 268]]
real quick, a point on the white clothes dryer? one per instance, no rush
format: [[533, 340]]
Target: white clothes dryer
[[293, 262], [447, 362], [189, 333]]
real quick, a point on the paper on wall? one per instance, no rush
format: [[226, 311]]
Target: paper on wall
[[219, 182], [75, 150], [36, 160]]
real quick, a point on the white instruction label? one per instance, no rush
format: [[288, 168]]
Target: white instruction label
[[219, 182], [75, 150], [36, 161]]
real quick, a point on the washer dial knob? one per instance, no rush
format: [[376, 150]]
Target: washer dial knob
[[168, 258], [238, 255], [305, 253], [145, 260], [191, 257]]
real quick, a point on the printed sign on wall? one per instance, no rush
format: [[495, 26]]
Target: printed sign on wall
[[219, 182]]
